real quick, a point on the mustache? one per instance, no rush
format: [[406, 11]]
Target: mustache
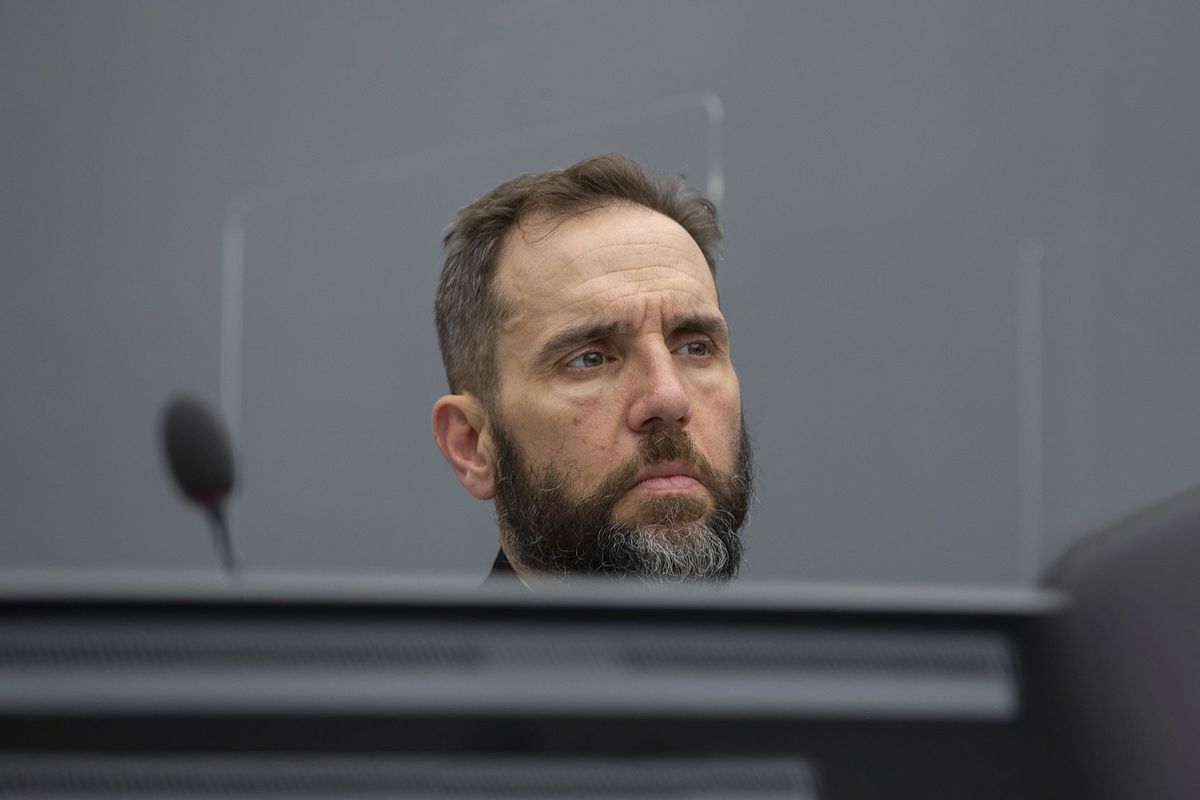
[[672, 444]]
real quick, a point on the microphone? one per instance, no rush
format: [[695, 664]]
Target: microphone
[[201, 460]]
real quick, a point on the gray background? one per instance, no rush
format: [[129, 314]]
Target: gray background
[[961, 263]]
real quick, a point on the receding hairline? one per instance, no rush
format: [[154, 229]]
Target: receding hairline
[[540, 219], [538, 226]]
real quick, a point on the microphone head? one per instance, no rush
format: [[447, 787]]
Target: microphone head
[[198, 451]]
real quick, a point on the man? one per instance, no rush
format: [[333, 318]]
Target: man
[[592, 393]]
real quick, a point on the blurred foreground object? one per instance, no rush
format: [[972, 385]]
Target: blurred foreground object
[[1129, 650], [303, 688]]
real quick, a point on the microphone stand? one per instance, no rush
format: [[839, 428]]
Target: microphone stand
[[221, 538]]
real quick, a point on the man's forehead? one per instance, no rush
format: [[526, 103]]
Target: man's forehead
[[598, 254]]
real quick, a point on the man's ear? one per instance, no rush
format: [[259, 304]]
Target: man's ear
[[459, 423]]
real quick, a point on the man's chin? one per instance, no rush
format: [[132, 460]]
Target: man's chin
[[670, 513]]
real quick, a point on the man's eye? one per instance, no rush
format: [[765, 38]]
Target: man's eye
[[588, 360], [695, 349]]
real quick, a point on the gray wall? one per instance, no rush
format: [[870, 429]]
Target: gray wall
[[961, 262]]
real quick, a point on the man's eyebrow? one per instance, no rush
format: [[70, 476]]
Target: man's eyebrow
[[571, 338], [711, 324], [566, 340]]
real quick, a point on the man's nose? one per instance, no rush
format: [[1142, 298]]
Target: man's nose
[[660, 397]]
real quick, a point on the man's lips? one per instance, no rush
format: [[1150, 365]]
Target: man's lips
[[671, 476], [668, 483]]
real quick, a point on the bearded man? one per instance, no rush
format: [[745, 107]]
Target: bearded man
[[593, 395]]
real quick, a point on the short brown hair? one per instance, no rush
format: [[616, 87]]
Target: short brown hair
[[468, 309]]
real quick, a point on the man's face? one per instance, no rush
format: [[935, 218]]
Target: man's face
[[619, 413]]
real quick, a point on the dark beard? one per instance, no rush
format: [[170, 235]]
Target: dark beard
[[545, 530]]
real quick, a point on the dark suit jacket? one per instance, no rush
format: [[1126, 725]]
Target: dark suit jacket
[[502, 573]]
